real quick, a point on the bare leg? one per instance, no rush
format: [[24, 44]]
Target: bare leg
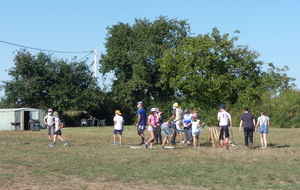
[[114, 137]]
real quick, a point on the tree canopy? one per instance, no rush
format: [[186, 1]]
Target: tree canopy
[[42, 82]]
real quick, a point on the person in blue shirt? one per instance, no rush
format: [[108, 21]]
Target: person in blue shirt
[[187, 125], [141, 121]]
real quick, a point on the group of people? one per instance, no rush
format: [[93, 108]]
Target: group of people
[[53, 124], [184, 122]]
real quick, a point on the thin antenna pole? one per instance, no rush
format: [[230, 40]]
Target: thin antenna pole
[[95, 63]]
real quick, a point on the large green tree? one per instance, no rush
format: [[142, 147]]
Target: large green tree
[[40, 81], [131, 54], [210, 69]]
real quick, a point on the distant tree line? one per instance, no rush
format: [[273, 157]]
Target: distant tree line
[[159, 62]]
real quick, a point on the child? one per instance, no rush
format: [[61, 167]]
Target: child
[[187, 119], [263, 121], [57, 130], [196, 129], [166, 129], [118, 127], [152, 125]]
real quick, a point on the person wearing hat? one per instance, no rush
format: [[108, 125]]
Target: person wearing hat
[[224, 117], [177, 115], [49, 122], [152, 125], [57, 130], [141, 121], [118, 127]]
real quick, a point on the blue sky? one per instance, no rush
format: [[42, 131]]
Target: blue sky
[[270, 27]]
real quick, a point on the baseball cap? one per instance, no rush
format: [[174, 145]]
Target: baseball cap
[[50, 110], [195, 115], [222, 106], [153, 109], [140, 102], [118, 112], [175, 104]]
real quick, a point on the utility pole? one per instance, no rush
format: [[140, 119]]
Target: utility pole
[[95, 63]]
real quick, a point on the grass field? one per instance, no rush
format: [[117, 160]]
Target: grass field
[[89, 161]]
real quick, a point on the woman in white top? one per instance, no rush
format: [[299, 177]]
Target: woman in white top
[[263, 121]]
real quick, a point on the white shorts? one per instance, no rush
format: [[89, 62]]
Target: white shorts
[[151, 128], [179, 125]]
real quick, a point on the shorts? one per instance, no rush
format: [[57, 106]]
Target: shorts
[[141, 128], [118, 132], [50, 129], [167, 131], [178, 125], [263, 129], [196, 133], [151, 128], [224, 131], [58, 132]]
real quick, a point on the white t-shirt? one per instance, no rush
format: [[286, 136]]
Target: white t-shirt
[[195, 127], [263, 120], [119, 122], [57, 123], [49, 119], [223, 117]]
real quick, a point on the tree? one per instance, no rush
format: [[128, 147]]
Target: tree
[[42, 82], [132, 53], [207, 70]]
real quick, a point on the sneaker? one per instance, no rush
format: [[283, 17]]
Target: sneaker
[[113, 143], [146, 140], [182, 142], [51, 145], [142, 143], [65, 144], [173, 143], [121, 144], [145, 146], [228, 144]]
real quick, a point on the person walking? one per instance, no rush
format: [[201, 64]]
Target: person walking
[[177, 115], [118, 127], [248, 121], [141, 121], [159, 118], [57, 130], [263, 122], [224, 117], [152, 125], [49, 122]]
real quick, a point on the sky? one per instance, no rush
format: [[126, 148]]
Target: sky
[[270, 27]]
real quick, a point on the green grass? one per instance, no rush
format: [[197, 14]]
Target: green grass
[[90, 162]]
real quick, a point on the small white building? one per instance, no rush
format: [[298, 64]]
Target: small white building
[[22, 116]]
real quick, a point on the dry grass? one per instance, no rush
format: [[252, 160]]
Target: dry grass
[[90, 162]]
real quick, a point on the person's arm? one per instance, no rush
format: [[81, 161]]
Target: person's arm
[[45, 120], [241, 124], [230, 121], [257, 124], [139, 119], [172, 117], [268, 121]]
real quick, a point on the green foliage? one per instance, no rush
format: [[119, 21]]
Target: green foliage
[[132, 53], [42, 82]]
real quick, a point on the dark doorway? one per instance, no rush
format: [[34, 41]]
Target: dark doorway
[[26, 120]]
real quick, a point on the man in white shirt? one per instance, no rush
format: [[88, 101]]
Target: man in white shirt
[[224, 117]]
